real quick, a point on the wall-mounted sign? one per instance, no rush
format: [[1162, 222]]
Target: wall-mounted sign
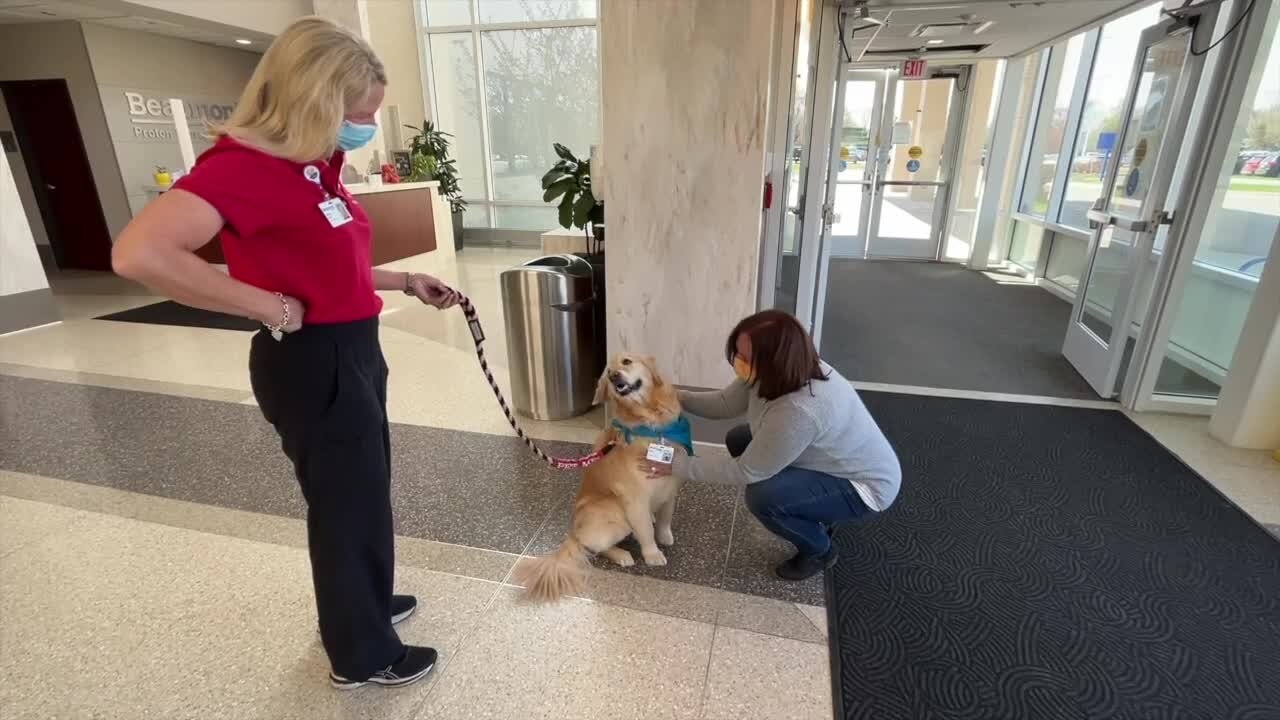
[[914, 68], [901, 132], [914, 152], [913, 165], [147, 116]]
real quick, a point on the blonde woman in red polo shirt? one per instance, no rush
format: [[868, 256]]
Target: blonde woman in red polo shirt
[[297, 248]]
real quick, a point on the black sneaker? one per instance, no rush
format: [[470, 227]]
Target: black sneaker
[[402, 606], [414, 666], [803, 567]]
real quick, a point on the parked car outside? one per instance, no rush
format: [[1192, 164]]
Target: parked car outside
[[1267, 165], [1244, 158]]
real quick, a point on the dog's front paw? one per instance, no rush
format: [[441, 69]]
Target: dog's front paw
[[619, 556], [665, 537], [654, 557]]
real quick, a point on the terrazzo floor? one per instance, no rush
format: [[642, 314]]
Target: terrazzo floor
[[153, 563]]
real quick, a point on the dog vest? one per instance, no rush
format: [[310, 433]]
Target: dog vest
[[678, 431]]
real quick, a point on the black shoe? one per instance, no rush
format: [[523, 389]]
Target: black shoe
[[402, 606], [803, 567], [414, 666]]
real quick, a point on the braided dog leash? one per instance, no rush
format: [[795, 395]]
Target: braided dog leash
[[477, 335]]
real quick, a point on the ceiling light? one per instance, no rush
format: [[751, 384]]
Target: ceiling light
[[983, 27], [934, 41], [242, 41]]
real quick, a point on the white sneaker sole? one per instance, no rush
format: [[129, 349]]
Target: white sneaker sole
[[344, 684]]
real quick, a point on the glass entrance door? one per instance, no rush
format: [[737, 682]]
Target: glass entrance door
[[914, 165], [1132, 207], [893, 148], [892, 162], [860, 107]]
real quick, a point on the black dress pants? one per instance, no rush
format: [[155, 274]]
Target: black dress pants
[[324, 388]]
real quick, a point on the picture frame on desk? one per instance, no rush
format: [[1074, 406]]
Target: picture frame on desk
[[403, 163]]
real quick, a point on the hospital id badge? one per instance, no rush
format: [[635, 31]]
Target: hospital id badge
[[336, 212], [660, 453]]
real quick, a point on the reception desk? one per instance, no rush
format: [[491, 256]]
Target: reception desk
[[402, 215]]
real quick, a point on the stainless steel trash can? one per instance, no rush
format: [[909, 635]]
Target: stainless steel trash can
[[554, 355]]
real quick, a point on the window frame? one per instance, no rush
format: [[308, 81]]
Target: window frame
[[488, 204]]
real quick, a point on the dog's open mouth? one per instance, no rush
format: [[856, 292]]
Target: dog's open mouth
[[623, 389]]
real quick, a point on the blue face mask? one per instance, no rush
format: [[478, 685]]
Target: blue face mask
[[354, 135]]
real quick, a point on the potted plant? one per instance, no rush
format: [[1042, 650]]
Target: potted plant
[[568, 184], [429, 160]]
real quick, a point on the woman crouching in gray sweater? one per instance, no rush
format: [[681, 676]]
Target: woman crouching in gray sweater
[[810, 456]]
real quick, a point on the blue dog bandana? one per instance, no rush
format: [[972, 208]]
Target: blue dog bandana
[[678, 431]]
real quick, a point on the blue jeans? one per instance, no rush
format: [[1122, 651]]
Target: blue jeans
[[799, 505]]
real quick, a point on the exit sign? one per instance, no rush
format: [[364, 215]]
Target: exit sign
[[914, 68]]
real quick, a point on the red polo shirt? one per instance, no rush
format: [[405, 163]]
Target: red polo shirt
[[277, 238]]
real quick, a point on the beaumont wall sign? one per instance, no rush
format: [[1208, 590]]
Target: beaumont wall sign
[[152, 118]]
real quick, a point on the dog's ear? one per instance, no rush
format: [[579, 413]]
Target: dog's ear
[[651, 364], [602, 388]]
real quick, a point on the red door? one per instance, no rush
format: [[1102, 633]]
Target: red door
[[49, 137]]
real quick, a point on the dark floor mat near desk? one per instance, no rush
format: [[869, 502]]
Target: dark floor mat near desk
[[172, 313], [1048, 562]]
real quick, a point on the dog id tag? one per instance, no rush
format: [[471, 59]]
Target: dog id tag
[[660, 453]]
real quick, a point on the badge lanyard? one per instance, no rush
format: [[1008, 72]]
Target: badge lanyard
[[335, 210]]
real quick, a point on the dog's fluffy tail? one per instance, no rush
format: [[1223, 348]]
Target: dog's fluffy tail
[[552, 576]]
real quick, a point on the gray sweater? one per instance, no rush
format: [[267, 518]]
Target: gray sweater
[[823, 427]]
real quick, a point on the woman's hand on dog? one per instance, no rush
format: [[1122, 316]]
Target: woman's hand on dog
[[655, 469]]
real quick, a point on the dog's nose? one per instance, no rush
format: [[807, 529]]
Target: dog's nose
[[617, 379]]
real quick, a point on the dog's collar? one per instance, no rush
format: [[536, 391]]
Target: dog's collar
[[678, 431]]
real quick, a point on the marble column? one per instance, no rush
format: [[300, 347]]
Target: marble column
[[685, 88]]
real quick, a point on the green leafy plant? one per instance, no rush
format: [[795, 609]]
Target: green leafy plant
[[429, 160], [568, 184]]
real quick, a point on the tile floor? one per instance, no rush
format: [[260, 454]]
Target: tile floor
[[152, 552]]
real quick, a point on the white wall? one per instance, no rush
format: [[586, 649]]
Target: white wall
[[394, 37], [683, 174], [129, 64], [267, 16], [20, 269], [49, 51]]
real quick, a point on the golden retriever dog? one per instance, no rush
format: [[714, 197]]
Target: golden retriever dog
[[617, 498]]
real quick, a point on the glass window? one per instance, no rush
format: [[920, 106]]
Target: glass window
[[541, 219], [440, 13], [506, 11], [508, 94], [457, 95], [987, 78], [542, 87], [1024, 111], [1042, 161], [1024, 250], [476, 216], [1233, 249], [1103, 111], [1066, 260]]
